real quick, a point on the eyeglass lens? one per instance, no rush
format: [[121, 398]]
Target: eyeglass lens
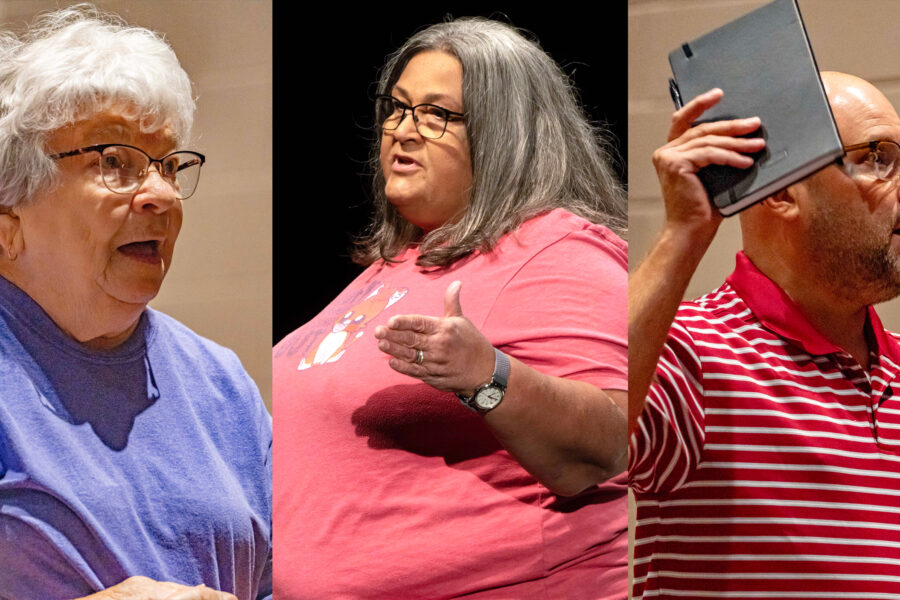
[[430, 120], [884, 158], [124, 170]]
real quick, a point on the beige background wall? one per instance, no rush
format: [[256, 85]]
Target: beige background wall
[[220, 283]]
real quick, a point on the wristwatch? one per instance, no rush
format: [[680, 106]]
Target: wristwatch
[[489, 396]]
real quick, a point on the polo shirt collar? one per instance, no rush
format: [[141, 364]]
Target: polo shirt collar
[[777, 312]]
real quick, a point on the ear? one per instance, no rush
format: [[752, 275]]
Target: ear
[[786, 203], [11, 240]]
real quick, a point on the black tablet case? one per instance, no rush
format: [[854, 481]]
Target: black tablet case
[[765, 65]]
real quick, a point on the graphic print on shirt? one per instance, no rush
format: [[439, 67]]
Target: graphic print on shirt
[[328, 346]]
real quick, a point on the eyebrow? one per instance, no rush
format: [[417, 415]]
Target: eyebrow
[[108, 129], [115, 131], [429, 98]]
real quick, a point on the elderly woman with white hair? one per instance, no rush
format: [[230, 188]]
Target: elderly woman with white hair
[[134, 454], [453, 423]]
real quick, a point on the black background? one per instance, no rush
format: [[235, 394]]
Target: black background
[[325, 73]]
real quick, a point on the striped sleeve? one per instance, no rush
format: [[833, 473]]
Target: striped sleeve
[[666, 446]]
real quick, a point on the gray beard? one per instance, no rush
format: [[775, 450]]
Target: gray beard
[[857, 265]]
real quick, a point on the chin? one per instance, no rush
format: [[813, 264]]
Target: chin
[[134, 294], [133, 282], [417, 220], [404, 208], [138, 298], [403, 192]]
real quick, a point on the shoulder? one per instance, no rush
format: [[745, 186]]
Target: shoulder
[[718, 324], [561, 233], [207, 373], [564, 298], [559, 248], [195, 356], [166, 329], [722, 308]]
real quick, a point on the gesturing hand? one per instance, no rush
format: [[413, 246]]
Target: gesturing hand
[[448, 353], [691, 148]]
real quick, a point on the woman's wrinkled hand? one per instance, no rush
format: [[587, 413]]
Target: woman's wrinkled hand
[[448, 353], [144, 588]]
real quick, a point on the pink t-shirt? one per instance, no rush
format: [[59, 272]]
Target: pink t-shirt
[[388, 488]]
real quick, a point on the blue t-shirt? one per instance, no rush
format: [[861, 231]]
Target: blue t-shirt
[[153, 459]]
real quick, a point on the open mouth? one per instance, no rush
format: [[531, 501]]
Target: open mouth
[[147, 251], [404, 161]]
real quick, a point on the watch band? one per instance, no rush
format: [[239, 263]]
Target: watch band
[[499, 380], [501, 368]]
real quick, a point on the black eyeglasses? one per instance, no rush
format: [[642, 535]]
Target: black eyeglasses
[[124, 168], [430, 119], [883, 159]]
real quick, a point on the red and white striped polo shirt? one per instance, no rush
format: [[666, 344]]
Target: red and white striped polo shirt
[[766, 463]]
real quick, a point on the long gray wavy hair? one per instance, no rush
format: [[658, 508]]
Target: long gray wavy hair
[[532, 148]]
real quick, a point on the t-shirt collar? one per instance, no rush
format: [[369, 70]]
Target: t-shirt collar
[[28, 321], [777, 312]]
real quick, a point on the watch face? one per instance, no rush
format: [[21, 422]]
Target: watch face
[[489, 397]]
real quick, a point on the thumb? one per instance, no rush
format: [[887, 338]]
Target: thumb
[[452, 307]]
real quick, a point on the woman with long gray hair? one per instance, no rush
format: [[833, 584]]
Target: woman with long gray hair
[[453, 423]]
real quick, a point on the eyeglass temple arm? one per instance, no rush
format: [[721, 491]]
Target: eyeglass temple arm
[[846, 149], [72, 153], [197, 161]]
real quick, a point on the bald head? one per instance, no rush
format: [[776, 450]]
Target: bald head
[[857, 105]]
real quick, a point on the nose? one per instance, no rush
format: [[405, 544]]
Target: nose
[[407, 128], [155, 195]]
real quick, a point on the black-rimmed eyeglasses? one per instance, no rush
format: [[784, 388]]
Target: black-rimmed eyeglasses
[[882, 160], [430, 119], [124, 168]]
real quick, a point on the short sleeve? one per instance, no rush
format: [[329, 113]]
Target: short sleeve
[[667, 443], [564, 311]]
